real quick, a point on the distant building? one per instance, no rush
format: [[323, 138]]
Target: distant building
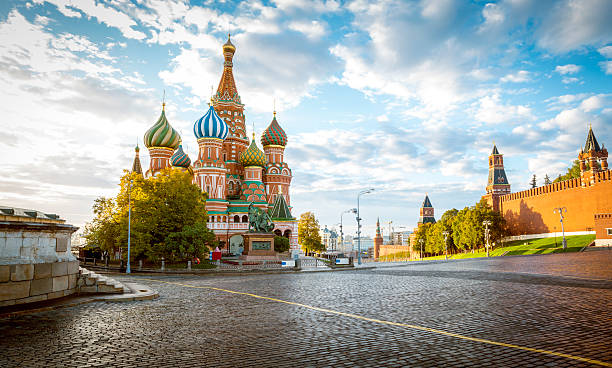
[[330, 239]]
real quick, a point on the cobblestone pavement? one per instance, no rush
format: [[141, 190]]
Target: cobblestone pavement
[[366, 318]]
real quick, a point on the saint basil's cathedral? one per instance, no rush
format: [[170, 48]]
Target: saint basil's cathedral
[[232, 171]]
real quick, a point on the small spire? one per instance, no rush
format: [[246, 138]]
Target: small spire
[[274, 107], [164, 101]]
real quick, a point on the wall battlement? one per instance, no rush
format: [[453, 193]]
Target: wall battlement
[[601, 176], [532, 211]]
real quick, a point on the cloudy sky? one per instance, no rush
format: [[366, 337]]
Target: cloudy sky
[[406, 97]]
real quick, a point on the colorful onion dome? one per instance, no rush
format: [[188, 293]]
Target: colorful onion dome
[[162, 134], [210, 126], [253, 156], [180, 158], [274, 134]]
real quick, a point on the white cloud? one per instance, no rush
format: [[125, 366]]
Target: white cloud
[[104, 14], [606, 51], [568, 80], [519, 77], [606, 66], [492, 110], [312, 29], [567, 69], [382, 118], [570, 24]]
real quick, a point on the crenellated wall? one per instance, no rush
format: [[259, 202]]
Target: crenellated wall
[[532, 211]]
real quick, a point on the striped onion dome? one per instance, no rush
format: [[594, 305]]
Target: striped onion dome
[[162, 134], [180, 158], [274, 134], [210, 126], [253, 156]]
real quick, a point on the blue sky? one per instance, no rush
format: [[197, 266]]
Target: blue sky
[[406, 97]]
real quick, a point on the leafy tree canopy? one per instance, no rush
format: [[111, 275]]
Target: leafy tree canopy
[[281, 244], [308, 233], [168, 211]]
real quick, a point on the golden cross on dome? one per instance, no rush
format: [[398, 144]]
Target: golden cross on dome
[[164, 101], [274, 107]]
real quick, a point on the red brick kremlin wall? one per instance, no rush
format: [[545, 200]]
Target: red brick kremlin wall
[[532, 211]]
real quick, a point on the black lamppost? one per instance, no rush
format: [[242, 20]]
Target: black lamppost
[[352, 210], [359, 224]]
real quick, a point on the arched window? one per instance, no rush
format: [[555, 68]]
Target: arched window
[[236, 218], [231, 186], [245, 218], [287, 234], [277, 232], [212, 218]]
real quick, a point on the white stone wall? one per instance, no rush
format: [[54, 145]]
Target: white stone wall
[[27, 246]]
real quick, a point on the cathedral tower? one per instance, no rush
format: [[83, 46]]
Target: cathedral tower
[[230, 109], [277, 174], [497, 184], [161, 140], [209, 169], [253, 189], [136, 167]]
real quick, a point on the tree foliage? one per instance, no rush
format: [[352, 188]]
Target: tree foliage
[[281, 244], [533, 182], [308, 233], [572, 172], [464, 228], [167, 211], [547, 180]]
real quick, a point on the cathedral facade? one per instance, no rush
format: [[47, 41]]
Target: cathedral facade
[[230, 168]]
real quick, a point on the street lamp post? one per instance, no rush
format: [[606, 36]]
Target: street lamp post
[[359, 224], [445, 233], [127, 269], [352, 210], [486, 224], [421, 242], [560, 211]]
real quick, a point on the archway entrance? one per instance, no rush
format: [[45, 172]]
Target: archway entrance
[[236, 244]]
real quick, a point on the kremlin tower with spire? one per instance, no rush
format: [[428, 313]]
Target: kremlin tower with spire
[[230, 169]]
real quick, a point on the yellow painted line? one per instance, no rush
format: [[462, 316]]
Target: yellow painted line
[[406, 325]]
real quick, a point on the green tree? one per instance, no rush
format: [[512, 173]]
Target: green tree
[[161, 205], [533, 182], [572, 172], [421, 237], [105, 228], [193, 241], [547, 180], [281, 244], [308, 233]]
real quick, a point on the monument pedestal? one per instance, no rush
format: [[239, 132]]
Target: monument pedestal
[[259, 247]]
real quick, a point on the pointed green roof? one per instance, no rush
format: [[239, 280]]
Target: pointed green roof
[[495, 151], [427, 202], [280, 210], [591, 142]]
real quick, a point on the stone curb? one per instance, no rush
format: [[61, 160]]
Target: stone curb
[[234, 273], [138, 292]]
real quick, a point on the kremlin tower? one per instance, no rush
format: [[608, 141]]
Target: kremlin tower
[[232, 171], [378, 240], [426, 213], [497, 184]]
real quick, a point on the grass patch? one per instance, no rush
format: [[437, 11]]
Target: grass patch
[[518, 247]]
